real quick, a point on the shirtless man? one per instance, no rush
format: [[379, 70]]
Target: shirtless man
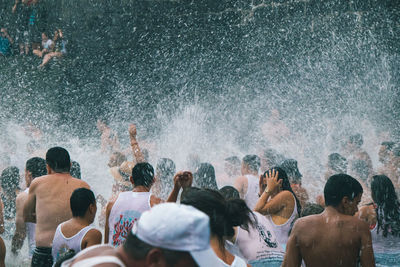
[[48, 202], [34, 167], [334, 237], [248, 183]]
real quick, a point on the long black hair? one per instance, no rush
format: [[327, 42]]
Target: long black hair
[[224, 214], [285, 184], [388, 206]]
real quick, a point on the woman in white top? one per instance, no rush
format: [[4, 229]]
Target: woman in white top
[[278, 202], [224, 216]]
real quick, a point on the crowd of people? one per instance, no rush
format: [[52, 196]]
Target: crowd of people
[[30, 35], [257, 213]]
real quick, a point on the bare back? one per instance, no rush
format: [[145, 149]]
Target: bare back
[[331, 239], [52, 194]]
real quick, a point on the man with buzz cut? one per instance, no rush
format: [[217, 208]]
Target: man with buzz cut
[[48, 202], [334, 237]]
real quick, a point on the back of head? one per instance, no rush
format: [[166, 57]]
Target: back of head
[[388, 206], [36, 166], [272, 157], [224, 214], [292, 171], [311, 209], [339, 186], [80, 201], [234, 160], [10, 179], [58, 159], [204, 177], [143, 174], [165, 169], [337, 163], [229, 192], [356, 139], [75, 170], [252, 162], [389, 145]]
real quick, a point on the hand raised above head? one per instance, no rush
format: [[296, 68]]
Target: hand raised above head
[[273, 184], [183, 179]]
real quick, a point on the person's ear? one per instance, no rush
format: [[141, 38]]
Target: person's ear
[[155, 258], [131, 179], [49, 170]]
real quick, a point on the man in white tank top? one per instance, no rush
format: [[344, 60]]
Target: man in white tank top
[[123, 212], [77, 233], [248, 183], [34, 167]]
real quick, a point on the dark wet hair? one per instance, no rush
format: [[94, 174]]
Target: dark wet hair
[[224, 214], [311, 209], [80, 201], [10, 179], [36, 166], [75, 170], [337, 163], [272, 157], [143, 174], [339, 186], [253, 162], [285, 185], [388, 206], [229, 192], [356, 139], [204, 177], [165, 171], [234, 160], [389, 145], [58, 159], [292, 171]]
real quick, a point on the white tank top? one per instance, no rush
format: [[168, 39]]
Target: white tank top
[[62, 244], [30, 232], [92, 261], [253, 189], [126, 210], [260, 241], [237, 262], [282, 231]]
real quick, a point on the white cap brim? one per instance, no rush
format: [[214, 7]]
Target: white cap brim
[[206, 258]]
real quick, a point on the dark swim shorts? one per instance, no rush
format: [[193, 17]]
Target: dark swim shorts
[[42, 257]]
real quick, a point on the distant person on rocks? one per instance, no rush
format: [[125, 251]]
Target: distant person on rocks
[[5, 42], [77, 233], [167, 235], [204, 177], [334, 237], [21, 11], [46, 47], [294, 175], [60, 48], [34, 167], [278, 202], [109, 138], [248, 183], [48, 202]]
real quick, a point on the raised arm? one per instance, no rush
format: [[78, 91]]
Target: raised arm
[[137, 153], [20, 230], [29, 213], [181, 180]]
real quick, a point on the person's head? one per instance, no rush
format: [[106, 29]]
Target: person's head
[[45, 36], [311, 209], [224, 214], [343, 192], [386, 151], [270, 158], [83, 204], [34, 167], [337, 163], [229, 192], [285, 184], [10, 179], [58, 160], [292, 171], [204, 177], [355, 141], [388, 206], [116, 159], [142, 175], [250, 164], [165, 170], [170, 235], [232, 166], [75, 170]]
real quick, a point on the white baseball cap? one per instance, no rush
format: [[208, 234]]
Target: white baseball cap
[[178, 227]]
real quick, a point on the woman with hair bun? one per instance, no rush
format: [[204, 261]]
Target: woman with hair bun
[[224, 216]]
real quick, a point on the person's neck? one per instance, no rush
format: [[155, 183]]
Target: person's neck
[[84, 221], [141, 188], [330, 210]]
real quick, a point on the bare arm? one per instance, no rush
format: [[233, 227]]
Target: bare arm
[[30, 203], [366, 252], [239, 185], [181, 180], [20, 230], [93, 237], [293, 255], [106, 230], [137, 153]]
